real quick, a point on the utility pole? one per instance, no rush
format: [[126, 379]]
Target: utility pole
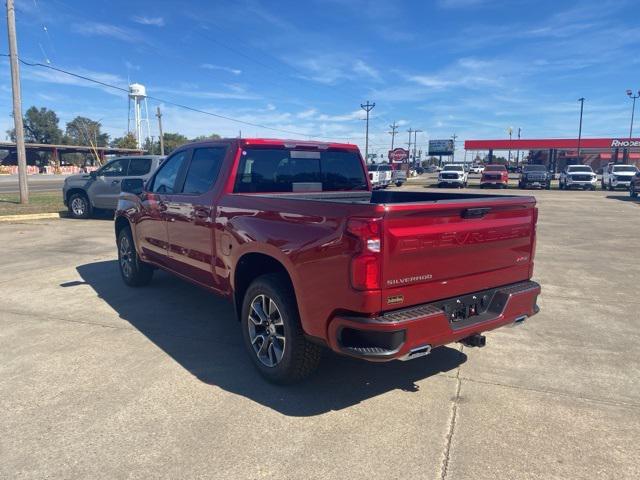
[[159, 115], [454, 137], [409, 149], [394, 130], [581, 100], [415, 144], [17, 103], [367, 107]]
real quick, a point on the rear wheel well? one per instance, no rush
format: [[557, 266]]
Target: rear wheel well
[[251, 266]]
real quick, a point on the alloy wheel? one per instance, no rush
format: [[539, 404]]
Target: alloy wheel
[[266, 330], [126, 256], [78, 206]]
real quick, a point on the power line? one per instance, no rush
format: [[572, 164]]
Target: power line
[[175, 104]]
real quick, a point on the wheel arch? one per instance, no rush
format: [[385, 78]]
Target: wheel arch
[[74, 190], [250, 266]]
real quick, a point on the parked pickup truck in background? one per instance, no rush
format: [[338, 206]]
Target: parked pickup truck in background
[[535, 176], [634, 187], [577, 176], [399, 177], [292, 233], [380, 175], [453, 176], [82, 194], [494, 176], [616, 175]]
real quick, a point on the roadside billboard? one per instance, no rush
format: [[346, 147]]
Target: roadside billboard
[[398, 155], [440, 147]]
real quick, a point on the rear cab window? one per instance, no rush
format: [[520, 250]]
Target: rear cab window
[[263, 170]]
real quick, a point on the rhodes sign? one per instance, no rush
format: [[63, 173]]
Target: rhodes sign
[[440, 147], [398, 155]]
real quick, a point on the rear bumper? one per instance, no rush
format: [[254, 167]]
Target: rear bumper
[[394, 334]]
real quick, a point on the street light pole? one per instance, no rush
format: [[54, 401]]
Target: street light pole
[[518, 154], [510, 132], [633, 111], [581, 100]]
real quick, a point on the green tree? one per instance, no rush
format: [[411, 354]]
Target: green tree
[[200, 138], [173, 141], [40, 126], [84, 131], [127, 141]]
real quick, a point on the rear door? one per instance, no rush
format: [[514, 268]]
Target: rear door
[[439, 250], [190, 216]]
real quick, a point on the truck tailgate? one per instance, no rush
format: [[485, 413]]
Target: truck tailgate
[[442, 249]]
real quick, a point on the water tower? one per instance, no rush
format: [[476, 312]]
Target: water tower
[[138, 97]]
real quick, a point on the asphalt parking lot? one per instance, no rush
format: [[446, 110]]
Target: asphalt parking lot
[[98, 380]]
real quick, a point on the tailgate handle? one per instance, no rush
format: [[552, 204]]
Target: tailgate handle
[[474, 212]]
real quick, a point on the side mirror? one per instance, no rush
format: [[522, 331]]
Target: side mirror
[[132, 185], [93, 173]]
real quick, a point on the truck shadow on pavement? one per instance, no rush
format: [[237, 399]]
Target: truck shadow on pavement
[[624, 198], [199, 331]]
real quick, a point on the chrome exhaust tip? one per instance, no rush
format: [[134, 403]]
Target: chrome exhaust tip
[[417, 352]]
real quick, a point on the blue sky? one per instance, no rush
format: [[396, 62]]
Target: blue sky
[[473, 67]]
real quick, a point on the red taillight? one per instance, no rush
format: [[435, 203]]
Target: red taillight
[[366, 264]]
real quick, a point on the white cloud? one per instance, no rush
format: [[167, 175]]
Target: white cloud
[[154, 21], [307, 113], [93, 29], [364, 69], [210, 66]]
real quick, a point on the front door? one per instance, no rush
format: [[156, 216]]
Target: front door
[[151, 225], [105, 188], [190, 217]]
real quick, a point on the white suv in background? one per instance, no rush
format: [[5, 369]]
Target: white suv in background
[[453, 176], [578, 176], [616, 175]]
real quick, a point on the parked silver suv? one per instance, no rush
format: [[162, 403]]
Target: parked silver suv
[[101, 189]]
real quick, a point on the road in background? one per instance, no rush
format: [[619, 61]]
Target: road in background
[[37, 183]]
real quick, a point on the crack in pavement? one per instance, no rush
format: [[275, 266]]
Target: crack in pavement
[[452, 424]]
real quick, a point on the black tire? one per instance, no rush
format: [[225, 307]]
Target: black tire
[[135, 272], [632, 191], [398, 184], [299, 358], [548, 186], [561, 186], [79, 206]]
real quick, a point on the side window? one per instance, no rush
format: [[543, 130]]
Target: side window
[[117, 168], [139, 166], [165, 179], [203, 169]]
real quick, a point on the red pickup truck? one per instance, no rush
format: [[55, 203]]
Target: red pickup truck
[[312, 257]]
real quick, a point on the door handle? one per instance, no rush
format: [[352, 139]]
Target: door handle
[[113, 182]]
